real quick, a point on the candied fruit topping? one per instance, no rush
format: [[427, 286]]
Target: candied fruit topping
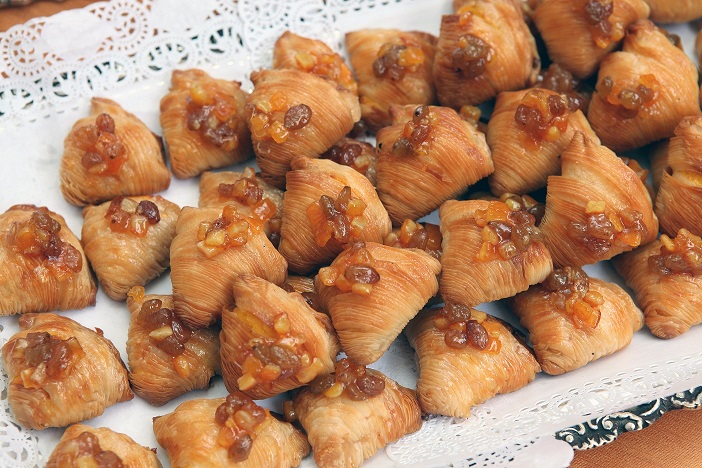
[[417, 134], [214, 115], [605, 228], [46, 357], [239, 418], [413, 235], [165, 329], [275, 352], [506, 231], [330, 66], [86, 452], [38, 237], [354, 270], [351, 154], [104, 153], [525, 203], [231, 229], [463, 326], [341, 219], [394, 61], [470, 114], [245, 189], [629, 100], [471, 56], [603, 31], [569, 291], [275, 118], [560, 80], [542, 116], [679, 255], [126, 215], [351, 380]]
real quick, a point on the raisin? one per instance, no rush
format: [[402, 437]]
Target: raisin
[[297, 117]]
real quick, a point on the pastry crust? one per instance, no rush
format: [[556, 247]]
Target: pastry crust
[[190, 151], [415, 86], [122, 260], [95, 378], [143, 173], [273, 329], [202, 285], [452, 381], [157, 375], [452, 156], [131, 454], [190, 437], [674, 11], [309, 180], [27, 283], [357, 154], [368, 323]]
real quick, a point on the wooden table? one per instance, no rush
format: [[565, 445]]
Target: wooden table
[[673, 441]]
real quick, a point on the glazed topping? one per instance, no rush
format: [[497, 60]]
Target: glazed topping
[[86, 452], [331, 66], [245, 189], [104, 153], [604, 228], [463, 326], [542, 116], [413, 235], [395, 60], [239, 418], [126, 215], [46, 357], [275, 352], [231, 229], [681, 255], [351, 154], [351, 380], [341, 219], [506, 232], [274, 119], [525, 203], [597, 15], [629, 100], [38, 237], [165, 329], [472, 56], [569, 291], [417, 134], [560, 80], [353, 270], [213, 114]]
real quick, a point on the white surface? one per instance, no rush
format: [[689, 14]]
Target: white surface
[[138, 48]]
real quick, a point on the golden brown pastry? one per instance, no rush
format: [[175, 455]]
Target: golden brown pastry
[[357, 154], [312, 56], [350, 415], [679, 200], [372, 291], [428, 155], [213, 246], [326, 207], [580, 33], [224, 432], [60, 372], [465, 357], [597, 208], [392, 67], [644, 90], [666, 278], [573, 319], [203, 123], [674, 11], [658, 158], [273, 341], [249, 192], [413, 235], [42, 264], [490, 250], [111, 153], [83, 445], [305, 286], [166, 357], [128, 241], [527, 133], [484, 49], [292, 113]]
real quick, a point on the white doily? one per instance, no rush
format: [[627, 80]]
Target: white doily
[[126, 49]]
